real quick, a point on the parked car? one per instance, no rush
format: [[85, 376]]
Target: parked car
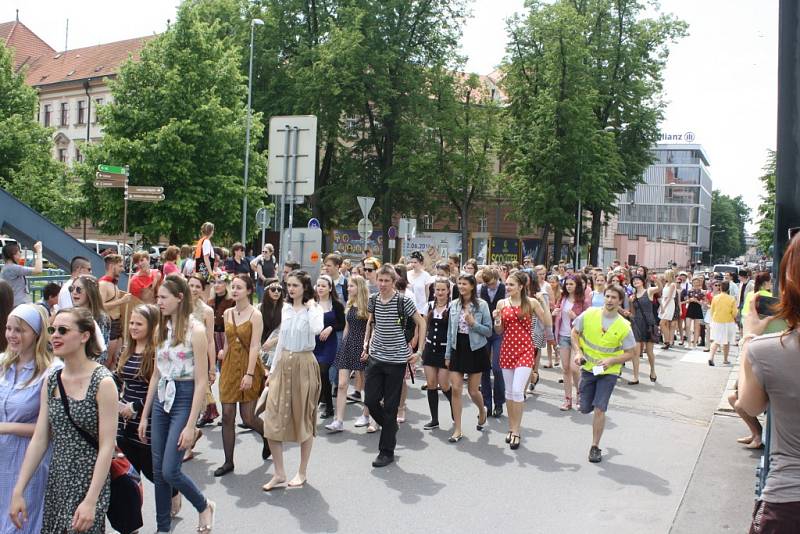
[[102, 247]]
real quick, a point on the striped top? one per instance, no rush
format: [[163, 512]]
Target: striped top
[[388, 343], [134, 390]]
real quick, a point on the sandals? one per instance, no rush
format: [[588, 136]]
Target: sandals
[[514, 441], [508, 437], [482, 424], [567, 404], [207, 528]]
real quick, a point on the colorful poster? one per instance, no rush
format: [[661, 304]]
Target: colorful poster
[[530, 248], [351, 245], [504, 250], [434, 246]]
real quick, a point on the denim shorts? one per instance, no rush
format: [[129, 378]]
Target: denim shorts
[[565, 342], [596, 391]]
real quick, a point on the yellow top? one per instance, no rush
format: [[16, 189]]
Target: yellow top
[[723, 309]]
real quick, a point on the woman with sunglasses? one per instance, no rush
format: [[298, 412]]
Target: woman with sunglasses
[[291, 411], [175, 396], [85, 293], [348, 354], [271, 308], [242, 376], [24, 367], [573, 303], [327, 341], [467, 351], [134, 369], [78, 414]]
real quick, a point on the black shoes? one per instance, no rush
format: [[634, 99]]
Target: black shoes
[[430, 425], [223, 470], [514, 442], [326, 414], [265, 452], [595, 454], [382, 460], [498, 411]]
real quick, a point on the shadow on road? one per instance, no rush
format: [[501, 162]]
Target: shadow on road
[[627, 475], [306, 505], [412, 487]]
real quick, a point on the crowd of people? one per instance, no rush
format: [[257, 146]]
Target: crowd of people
[[102, 385]]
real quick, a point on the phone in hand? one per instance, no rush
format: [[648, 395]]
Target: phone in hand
[[768, 307]]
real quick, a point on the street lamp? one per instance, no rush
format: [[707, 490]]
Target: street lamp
[[607, 129], [711, 243], [253, 24]]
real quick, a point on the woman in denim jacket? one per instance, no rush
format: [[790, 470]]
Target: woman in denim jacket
[[467, 349]]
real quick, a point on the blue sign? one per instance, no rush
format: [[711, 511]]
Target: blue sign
[[313, 222]]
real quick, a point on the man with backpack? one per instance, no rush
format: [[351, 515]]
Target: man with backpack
[[386, 346]]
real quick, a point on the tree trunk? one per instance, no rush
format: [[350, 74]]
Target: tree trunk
[[558, 234], [597, 228], [541, 254]]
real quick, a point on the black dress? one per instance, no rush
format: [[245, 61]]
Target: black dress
[[694, 310], [348, 355], [644, 320], [436, 338]]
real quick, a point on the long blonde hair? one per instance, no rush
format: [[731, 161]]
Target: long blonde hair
[[361, 299], [176, 285], [151, 317], [42, 357]]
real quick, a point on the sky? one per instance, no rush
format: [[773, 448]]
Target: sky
[[720, 82]]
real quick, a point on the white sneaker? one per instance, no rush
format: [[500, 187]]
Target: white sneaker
[[362, 420], [335, 426]]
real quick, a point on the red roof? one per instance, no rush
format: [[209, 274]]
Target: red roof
[[46, 66]]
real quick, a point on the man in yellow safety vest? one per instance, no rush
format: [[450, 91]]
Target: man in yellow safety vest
[[602, 341]]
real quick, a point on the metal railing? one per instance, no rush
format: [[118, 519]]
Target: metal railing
[[35, 284]]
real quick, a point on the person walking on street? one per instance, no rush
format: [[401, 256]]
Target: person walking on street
[[493, 291], [644, 325], [723, 322], [602, 341], [433, 356], [389, 353]]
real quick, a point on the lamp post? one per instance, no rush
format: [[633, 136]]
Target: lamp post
[[711, 243], [253, 24]]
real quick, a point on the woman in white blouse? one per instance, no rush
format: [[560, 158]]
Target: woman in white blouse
[[294, 384]]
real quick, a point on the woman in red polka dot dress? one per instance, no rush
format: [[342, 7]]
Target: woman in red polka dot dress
[[512, 319]]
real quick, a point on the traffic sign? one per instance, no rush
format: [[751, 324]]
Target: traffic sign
[[365, 228], [110, 176], [292, 155], [113, 169], [392, 232], [108, 183], [314, 256], [289, 199], [145, 190], [313, 222], [262, 218], [144, 198], [365, 203]]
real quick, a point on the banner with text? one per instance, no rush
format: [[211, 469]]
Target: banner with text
[[434, 246], [351, 245], [504, 249]]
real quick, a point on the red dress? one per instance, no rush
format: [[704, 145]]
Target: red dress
[[516, 350]]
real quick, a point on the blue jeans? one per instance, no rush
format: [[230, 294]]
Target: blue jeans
[[165, 430], [498, 392], [260, 291]]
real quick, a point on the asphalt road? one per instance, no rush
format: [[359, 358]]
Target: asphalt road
[[654, 436]]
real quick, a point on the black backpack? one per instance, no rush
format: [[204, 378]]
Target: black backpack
[[409, 327]]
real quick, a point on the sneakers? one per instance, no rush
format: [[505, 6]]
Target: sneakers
[[362, 420], [382, 460], [595, 454], [354, 396], [334, 426], [430, 425]]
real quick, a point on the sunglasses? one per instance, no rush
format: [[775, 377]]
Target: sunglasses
[[62, 330], [277, 289], [76, 289], [369, 270]]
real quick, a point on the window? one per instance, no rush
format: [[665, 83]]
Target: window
[[62, 155], [97, 103], [78, 155], [48, 111], [427, 222], [81, 112], [64, 114], [483, 223]]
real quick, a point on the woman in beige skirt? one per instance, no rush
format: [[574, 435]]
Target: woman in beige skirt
[[294, 383]]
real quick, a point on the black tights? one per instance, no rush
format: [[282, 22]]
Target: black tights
[[247, 411], [325, 395]]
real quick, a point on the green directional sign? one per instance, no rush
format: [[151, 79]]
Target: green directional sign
[[112, 169]]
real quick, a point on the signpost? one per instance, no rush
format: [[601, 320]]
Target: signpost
[[365, 225], [262, 220], [392, 233], [313, 222], [292, 164], [305, 247]]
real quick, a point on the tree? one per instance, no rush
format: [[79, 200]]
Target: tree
[[178, 119], [729, 215], [584, 79], [27, 168], [766, 209]]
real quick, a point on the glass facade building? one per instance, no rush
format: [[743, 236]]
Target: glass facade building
[[674, 202]]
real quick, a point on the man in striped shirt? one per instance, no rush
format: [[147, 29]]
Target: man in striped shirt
[[389, 354]]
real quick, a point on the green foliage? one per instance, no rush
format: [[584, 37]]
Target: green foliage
[[729, 216], [766, 209], [27, 168], [584, 82], [178, 120]]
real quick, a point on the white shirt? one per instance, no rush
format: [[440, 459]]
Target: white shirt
[[65, 297], [417, 284], [208, 249], [298, 329]]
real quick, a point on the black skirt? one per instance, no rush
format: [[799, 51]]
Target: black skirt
[[466, 360], [694, 311]]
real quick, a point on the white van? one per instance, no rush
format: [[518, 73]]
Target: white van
[[102, 246]]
